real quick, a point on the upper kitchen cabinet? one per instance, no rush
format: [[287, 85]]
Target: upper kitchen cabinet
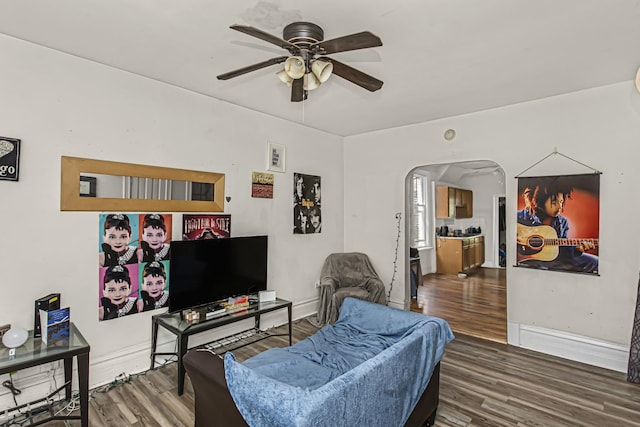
[[454, 202]]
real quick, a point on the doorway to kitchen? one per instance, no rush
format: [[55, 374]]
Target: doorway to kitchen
[[455, 229]]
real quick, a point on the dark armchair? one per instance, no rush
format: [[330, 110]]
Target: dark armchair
[[347, 275]]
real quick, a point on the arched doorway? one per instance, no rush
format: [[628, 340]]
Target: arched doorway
[[455, 226]]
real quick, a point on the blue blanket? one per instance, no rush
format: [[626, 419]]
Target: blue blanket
[[369, 368]]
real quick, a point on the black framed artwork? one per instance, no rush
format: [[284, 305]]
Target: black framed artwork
[[307, 216], [87, 186], [9, 158]]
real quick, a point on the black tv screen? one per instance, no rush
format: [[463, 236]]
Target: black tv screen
[[205, 271]]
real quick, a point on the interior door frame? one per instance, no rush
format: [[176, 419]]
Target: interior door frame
[[496, 228]]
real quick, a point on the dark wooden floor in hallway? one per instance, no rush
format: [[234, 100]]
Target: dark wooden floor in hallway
[[475, 305]]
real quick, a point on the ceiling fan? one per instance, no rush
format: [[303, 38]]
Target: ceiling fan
[[307, 66]]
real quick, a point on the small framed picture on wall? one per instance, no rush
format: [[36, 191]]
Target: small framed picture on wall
[[87, 186], [276, 157]]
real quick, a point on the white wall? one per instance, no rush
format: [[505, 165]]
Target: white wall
[[484, 187], [61, 105], [599, 127], [58, 105]]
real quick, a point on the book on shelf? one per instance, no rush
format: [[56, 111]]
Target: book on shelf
[[54, 325], [49, 302]]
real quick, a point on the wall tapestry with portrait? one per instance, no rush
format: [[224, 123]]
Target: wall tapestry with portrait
[[307, 212], [558, 223], [133, 261]]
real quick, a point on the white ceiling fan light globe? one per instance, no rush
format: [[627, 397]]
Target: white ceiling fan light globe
[[638, 80], [294, 67], [284, 77], [322, 70], [311, 82], [14, 337]]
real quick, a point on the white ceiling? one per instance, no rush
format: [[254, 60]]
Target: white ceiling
[[440, 58]]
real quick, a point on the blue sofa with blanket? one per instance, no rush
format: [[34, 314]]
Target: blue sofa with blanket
[[375, 366]]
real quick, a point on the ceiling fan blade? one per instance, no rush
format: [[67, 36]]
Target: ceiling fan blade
[[262, 35], [250, 68], [356, 41], [297, 90], [354, 76]]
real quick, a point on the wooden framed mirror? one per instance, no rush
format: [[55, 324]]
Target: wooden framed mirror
[[100, 185]]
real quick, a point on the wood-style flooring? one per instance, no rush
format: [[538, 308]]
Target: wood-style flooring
[[475, 305], [482, 383]]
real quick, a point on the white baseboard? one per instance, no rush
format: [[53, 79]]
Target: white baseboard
[[305, 308], [570, 346], [397, 304]]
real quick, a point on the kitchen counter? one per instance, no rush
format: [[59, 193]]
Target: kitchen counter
[[461, 237]]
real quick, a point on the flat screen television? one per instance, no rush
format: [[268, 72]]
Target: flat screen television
[[205, 271]]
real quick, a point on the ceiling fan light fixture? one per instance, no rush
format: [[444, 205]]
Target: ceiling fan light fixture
[[322, 70], [284, 77], [311, 82], [294, 67], [306, 66]]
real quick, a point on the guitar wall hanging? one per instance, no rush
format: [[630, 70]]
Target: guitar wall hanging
[[558, 222]]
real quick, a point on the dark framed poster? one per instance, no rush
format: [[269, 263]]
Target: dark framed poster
[[9, 158], [307, 204], [559, 223], [207, 226]]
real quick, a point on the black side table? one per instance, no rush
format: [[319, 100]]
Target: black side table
[[34, 352], [182, 329]]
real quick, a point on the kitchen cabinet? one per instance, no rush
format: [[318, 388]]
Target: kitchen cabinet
[[454, 202], [442, 202], [459, 254], [464, 209], [468, 254], [448, 255], [479, 251]]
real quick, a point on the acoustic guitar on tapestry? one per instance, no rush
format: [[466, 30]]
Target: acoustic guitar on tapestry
[[541, 242]]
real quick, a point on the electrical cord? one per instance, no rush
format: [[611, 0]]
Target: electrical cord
[[124, 378], [26, 417], [74, 404], [14, 390], [53, 376], [395, 260]]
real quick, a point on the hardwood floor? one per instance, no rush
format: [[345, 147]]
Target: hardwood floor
[[482, 383], [475, 305], [151, 399], [489, 384]]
